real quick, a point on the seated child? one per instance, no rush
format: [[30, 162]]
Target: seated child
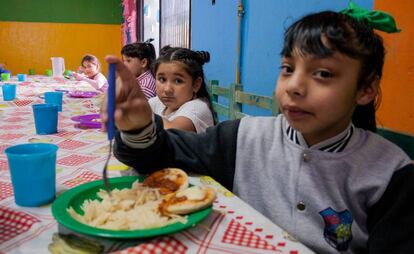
[[139, 57], [89, 71], [182, 98], [318, 170]]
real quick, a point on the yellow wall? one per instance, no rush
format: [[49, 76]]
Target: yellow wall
[[397, 107], [27, 45]]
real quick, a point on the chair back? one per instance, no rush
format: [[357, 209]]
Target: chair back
[[216, 94], [403, 140], [260, 101], [228, 102]]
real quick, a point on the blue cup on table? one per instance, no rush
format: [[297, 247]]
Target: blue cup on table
[[33, 173], [54, 98], [9, 92], [46, 118], [21, 77]]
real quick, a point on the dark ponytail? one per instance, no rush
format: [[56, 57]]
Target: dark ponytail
[[203, 57]]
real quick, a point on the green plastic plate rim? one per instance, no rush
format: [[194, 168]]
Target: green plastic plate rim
[[75, 197]]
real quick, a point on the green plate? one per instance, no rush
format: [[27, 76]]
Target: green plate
[[76, 196]]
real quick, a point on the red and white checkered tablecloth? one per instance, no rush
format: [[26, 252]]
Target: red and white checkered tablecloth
[[232, 227]]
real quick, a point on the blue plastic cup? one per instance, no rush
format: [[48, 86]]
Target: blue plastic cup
[[21, 77], [46, 118], [33, 173], [54, 98], [9, 92]]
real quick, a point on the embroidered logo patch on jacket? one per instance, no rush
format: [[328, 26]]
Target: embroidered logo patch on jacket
[[337, 230]]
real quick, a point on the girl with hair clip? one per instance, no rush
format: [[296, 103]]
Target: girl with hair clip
[[182, 99], [139, 58], [318, 170], [89, 71]]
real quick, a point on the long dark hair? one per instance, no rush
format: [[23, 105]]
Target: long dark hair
[[348, 36], [193, 64]]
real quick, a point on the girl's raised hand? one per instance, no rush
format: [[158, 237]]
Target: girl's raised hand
[[132, 111]]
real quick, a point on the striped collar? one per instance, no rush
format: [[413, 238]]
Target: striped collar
[[334, 145], [144, 75]]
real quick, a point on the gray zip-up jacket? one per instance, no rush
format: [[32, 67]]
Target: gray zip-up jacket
[[353, 201]]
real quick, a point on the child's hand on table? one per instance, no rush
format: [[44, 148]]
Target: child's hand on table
[[78, 76]]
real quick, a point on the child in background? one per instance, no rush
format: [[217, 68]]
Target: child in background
[[182, 98], [318, 170], [89, 71], [139, 57]]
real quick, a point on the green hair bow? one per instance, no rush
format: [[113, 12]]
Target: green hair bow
[[376, 19]]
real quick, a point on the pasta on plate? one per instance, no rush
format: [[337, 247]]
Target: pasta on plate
[[163, 198], [127, 209]]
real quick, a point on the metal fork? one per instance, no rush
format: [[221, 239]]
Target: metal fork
[[105, 170], [111, 122]]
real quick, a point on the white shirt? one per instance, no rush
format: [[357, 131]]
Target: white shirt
[[99, 81], [196, 110]]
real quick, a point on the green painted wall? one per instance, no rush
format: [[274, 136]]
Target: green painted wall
[[62, 11]]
